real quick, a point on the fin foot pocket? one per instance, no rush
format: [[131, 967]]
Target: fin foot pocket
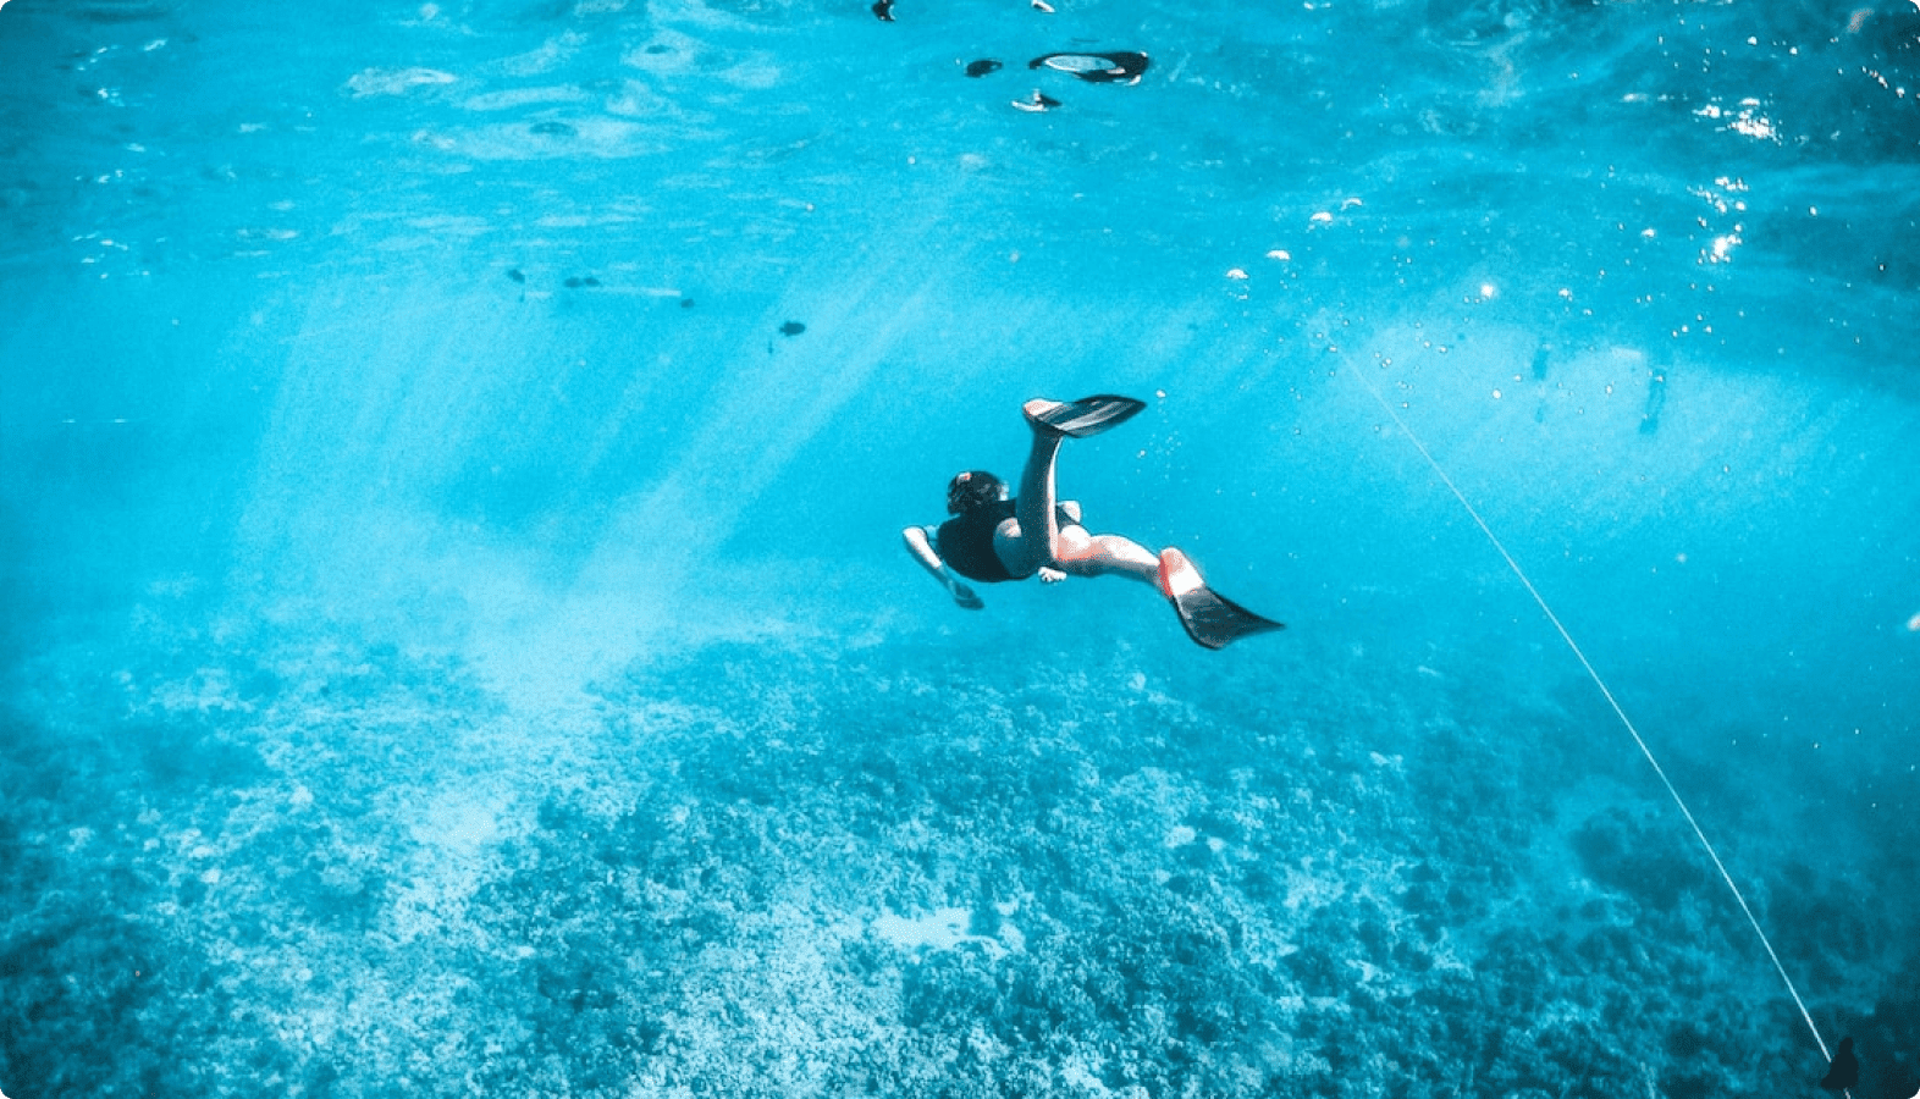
[[1211, 619]]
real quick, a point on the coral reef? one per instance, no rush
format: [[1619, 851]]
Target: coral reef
[[769, 869]]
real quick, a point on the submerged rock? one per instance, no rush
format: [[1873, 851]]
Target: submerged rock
[[1844, 1071]]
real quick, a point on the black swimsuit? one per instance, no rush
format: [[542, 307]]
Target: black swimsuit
[[965, 542]]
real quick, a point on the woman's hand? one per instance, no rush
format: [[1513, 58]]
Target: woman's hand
[[1051, 575], [964, 596]]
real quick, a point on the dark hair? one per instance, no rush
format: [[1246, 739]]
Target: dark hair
[[972, 489]]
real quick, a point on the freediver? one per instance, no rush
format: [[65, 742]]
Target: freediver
[[992, 539]]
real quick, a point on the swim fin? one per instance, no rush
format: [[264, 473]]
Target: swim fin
[[1088, 415], [1210, 618]]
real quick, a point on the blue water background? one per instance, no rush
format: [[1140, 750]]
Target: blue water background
[[411, 507]]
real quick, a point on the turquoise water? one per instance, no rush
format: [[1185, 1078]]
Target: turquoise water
[[456, 637]]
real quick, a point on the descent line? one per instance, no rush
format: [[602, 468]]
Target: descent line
[[1607, 693]]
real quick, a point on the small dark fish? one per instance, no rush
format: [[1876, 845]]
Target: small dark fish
[[514, 274], [686, 303], [982, 67], [883, 9], [553, 129], [1124, 67], [792, 328], [575, 283], [1844, 1072]]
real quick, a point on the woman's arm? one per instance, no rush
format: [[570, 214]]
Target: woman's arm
[[920, 545]]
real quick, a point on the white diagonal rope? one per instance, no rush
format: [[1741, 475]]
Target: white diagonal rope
[[1607, 693]]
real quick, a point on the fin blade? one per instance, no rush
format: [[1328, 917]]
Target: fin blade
[[1090, 415], [1215, 621]]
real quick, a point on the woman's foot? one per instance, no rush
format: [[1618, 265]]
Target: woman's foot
[[1038, 411], [1178, 577]]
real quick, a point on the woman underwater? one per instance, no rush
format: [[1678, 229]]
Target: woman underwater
[[992, 539]]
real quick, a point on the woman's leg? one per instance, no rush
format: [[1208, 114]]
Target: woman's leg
[[1082, 554], [1039, 539], [1033, 545]]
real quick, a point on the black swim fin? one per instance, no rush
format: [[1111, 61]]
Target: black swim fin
[[1088, 415], [1210, 618]]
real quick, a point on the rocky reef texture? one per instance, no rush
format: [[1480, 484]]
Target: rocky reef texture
[[239, 864]]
